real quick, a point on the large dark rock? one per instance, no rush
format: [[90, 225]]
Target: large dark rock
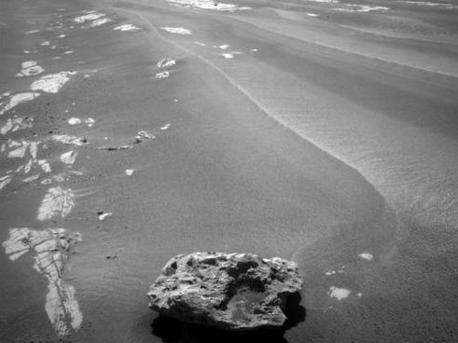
[[228, 291]]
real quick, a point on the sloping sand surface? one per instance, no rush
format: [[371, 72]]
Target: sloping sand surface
[[331, 145]]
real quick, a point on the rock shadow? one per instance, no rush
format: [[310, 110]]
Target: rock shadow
[[171, 330]]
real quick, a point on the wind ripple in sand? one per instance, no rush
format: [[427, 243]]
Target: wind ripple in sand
[[57, 202], [52, 253], [5, 180], [61, 177]]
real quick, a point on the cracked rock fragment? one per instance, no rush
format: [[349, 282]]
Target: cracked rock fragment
[[229, 291]]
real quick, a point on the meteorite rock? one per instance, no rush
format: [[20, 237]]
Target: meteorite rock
[[227, 291]]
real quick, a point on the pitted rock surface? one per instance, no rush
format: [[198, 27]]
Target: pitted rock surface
[[228, 291]]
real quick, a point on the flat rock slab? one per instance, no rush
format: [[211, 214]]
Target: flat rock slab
[[229, 291]]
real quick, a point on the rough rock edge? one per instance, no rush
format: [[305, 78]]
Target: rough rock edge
[[51, 249], [235, 291]]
